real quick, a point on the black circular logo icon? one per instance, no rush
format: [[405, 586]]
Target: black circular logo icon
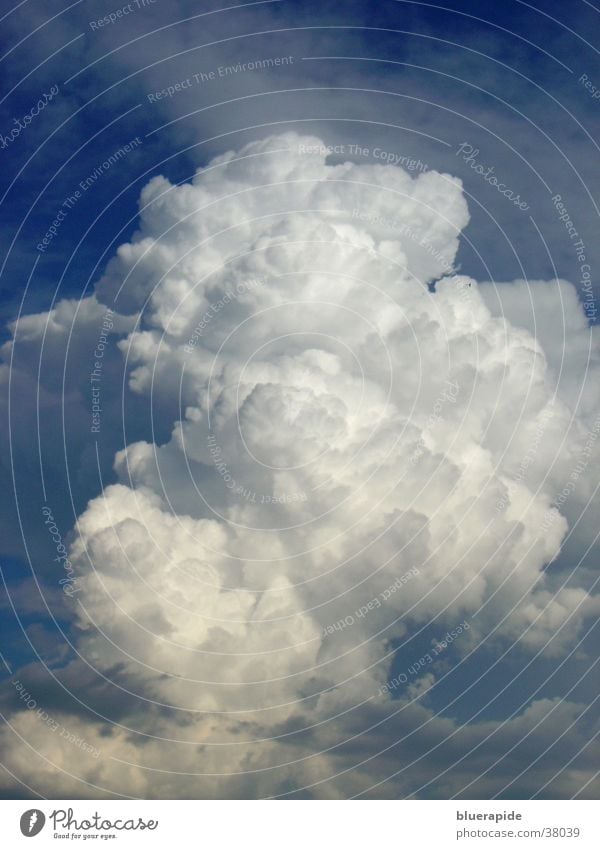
[[32, 822]]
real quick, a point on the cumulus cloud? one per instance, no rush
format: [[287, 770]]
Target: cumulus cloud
[[364, 442]]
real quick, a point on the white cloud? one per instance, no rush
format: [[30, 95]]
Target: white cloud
[[336, 424]]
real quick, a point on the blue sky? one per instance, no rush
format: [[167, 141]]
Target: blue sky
[[506, 81], [515, 98]]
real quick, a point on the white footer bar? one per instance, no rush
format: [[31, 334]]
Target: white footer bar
[[302, 824]]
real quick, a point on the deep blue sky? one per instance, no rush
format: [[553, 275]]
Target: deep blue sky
[[464, 68]]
